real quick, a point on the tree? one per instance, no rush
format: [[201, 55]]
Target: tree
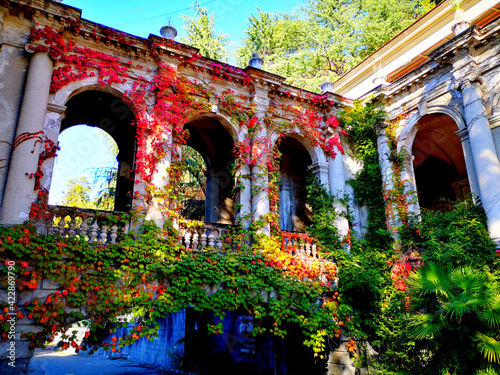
[[105, 177], [201, 33], [77, 193], [459, 322], [192, 184], [326, 38]]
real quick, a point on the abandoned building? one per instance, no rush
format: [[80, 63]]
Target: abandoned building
[[439, 79]]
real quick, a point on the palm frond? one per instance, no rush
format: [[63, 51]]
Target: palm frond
[[489, 347], [432, 279], [491, 316], [426, 326], [457, 309]]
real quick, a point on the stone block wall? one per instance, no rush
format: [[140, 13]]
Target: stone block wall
[[162, 350]]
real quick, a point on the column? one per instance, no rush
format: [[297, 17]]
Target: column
[[157, 204], [19, 188], [483, 153], [212, 199], [387, 175], [469, 161], [320, 170], [259, 172], [245, 196], [410, 185], [260, 196], [337, 189], [52, 129], [286, 208]]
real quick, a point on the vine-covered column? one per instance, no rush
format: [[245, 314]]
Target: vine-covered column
[[244, 196], [386, 167], [259, 169], [158, 192], [336, 176], [19, 190], [260, 183]]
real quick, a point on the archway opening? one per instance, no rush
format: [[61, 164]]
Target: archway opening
[[439, 163], [193, 184], [214, 145], [113, 120], [85, 170], [295, 215]]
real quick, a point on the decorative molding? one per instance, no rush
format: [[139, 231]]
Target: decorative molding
[[463, 134], [318, 168], [422, 108], [56, 108], [494, 121]]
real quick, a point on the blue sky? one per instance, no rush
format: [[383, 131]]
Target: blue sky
[[146, 17], [81, 147]]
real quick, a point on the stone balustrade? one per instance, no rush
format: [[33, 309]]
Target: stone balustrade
[[84, 223], [299, 244], [198, 237]]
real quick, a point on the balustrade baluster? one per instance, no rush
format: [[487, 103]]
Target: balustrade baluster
[[211, 242], [83, 227], [196, 237], [61, 226], [93, 232], [114, 233], [104, 234], [187, 239], [308, 248], [314, 250], [72, 225], [203, 239]]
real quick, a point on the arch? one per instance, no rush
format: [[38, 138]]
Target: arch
[[316, 153], [111, 114], [65, 93], [409, 132], [438, 162], [85, 174], [223, 120], [294, 164], [213, 137]]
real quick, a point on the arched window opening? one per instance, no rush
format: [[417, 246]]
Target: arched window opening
[[109, 115], [85, 171], [193, 184], [214, 145], [295, 215], [439, 164]]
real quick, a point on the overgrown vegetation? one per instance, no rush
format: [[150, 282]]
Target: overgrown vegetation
[[453, 303]]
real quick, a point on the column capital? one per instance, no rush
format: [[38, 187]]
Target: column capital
[[56, 108], [382, 126], [471, 76], [319, 167], [34, 47], [463, 134]]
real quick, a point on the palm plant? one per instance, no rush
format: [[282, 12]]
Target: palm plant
[[459, 318]]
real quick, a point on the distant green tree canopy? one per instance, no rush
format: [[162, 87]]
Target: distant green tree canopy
[[325, 38], [201, 33]]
